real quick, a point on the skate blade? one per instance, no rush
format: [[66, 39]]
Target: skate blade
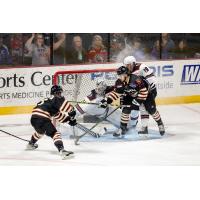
[[143, 136], [119, 137], [30, 148], [66, 157]]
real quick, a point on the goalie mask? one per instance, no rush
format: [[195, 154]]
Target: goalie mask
[[100, 87]]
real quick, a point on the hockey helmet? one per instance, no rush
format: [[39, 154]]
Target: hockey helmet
[[55, 89], [129, 60], [122, 70]]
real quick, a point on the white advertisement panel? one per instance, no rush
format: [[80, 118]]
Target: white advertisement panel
[[27, 86], [177, 78]]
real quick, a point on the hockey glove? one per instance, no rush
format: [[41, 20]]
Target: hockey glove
[[72, 113], [72, 122], [131, 91], [103, 104], [135, 102]]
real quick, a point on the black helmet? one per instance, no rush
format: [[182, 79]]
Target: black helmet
[[122, 70], [55, 89]]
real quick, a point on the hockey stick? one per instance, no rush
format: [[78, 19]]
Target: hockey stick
[[14, 136], [101, 120], [84, 102], [83, 128]]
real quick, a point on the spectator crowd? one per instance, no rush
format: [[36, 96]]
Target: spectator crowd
[[71, 48]]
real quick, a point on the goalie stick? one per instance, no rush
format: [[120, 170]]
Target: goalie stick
[[77, 138]]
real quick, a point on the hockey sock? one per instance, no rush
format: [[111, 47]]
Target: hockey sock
[[144, 120], [124, 119], [35, 137], [144, 115], [157, 117], [58, 141]]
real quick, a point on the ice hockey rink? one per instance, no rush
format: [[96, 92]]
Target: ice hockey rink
[[180, 145]]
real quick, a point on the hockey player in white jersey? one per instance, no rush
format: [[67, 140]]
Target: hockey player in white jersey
[[144, 71], [96, 95]]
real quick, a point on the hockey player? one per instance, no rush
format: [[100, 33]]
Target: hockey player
[[126, 102], [135, 89], [99, 93], [144, 71], [56, 107]]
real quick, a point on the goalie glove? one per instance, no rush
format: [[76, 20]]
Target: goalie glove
[[103, 103]]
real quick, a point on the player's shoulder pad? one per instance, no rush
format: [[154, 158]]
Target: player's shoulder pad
[[143, 66]]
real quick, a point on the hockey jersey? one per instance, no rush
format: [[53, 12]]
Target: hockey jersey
[[134, 88], [144, 71], [53, 107], [139, 88]]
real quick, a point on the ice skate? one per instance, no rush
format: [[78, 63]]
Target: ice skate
[[161, 129], [143, 131], [120, 132], [31, 146], [66, 154]]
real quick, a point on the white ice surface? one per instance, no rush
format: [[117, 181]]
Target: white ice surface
[[180, 145]]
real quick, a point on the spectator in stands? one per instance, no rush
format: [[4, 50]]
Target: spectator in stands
[[197, 55], [16, 43], [5, 58], [137, 50], [59, 48], [182, 51], [97, 52], [155, 53], [117, 44], [40, 52], [77, 54], [168, 46]]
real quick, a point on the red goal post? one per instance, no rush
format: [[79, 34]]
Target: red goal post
[[77, 84]]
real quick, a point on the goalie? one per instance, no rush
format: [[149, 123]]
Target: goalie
[[101, 91]]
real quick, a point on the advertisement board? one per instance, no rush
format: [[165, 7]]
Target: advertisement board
[[21, 88]]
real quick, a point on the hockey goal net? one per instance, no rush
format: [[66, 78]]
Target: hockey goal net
[[77, 84]]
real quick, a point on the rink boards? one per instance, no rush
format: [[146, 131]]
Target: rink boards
[[22, 87]]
